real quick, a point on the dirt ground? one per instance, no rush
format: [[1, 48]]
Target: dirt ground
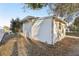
[[75, 47], [69, 46], [19, 46]]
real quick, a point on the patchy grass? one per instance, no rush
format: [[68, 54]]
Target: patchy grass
[[6, 49], [13, 47], [73, 33], [19, 46], [61, 48]]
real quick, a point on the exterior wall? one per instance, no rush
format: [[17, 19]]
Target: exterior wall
[[44, 31], [63, 30], [1, 34], [27, 29], [35, 28], [58, 31], [55, 31]]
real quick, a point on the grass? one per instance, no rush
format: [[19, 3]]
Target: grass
[[6, 49], [19, 46], [73, 33], [14, 46]]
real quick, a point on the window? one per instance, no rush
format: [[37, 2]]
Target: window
[[59, 25]]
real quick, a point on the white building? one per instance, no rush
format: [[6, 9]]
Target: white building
[[1, 34], [46, 29]]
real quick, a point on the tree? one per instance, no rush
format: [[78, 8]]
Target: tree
[[15, 25], [12, 25], [6, 28], [66, 8], [59, 9], [76, 23], [35, 6]]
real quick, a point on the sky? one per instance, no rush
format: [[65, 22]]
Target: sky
[[14, 10]]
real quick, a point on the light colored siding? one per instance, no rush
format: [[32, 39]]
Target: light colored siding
[[55, 30], [44, 32], [63, 31], [58, 33], [1, 34], [27, 29]]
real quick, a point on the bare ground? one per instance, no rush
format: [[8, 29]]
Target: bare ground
[[75, 47], [19, 46], [66, 47]]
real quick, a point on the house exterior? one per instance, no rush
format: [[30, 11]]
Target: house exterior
[[27, 25], [48, 29], [1, 34]]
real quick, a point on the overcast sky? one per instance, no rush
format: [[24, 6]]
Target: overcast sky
[[11, 10]]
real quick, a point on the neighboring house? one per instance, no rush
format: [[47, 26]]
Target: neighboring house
[[46, 29], [1, 34], [4, 34]]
